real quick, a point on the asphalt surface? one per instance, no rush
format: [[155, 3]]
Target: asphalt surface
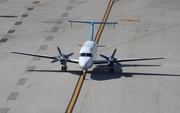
[[146, 28]]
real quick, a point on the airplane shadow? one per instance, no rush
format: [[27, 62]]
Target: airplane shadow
[[99, 73]]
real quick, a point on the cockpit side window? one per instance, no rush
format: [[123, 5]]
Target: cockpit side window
[[86, 54]]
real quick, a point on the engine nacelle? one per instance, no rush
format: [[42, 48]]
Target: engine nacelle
[[63, 61]]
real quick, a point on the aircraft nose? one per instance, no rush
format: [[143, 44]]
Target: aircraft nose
[[83, 62]]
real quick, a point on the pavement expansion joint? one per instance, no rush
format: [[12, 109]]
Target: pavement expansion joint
[[36, 2], [4, 110], [64, 15], [69, 8], [24, 15], [13, 96], [30, 8], [30, 68], [11, 31], [49, 38], [18, 23], [43, 47], [3, 40], [22, 81], [72, 1]]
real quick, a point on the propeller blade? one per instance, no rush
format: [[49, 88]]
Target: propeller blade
[[104, 57], [114, 52], [68, 55], [55, 60], [59, 50]]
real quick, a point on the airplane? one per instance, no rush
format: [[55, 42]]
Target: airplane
[[87, 54]]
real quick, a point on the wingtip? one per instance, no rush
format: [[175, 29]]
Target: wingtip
[[9, 51], [168, 55]]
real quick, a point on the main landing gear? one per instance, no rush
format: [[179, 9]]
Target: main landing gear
[[111, 70], [63, 68]]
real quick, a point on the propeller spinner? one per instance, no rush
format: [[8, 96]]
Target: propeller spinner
[[61, 57]]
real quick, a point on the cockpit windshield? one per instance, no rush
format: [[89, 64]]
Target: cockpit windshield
[[86, 54]]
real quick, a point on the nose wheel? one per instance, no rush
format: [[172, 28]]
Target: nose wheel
[[84, 71]]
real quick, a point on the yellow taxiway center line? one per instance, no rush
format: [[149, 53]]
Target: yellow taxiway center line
[[76, 93], [98, 35], [81, 78]]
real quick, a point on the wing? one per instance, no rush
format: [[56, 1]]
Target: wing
[[32, 54], [44, 56], [129, 59], [72, 60], [140, 59]]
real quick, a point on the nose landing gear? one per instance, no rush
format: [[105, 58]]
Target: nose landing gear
[[84, 71]]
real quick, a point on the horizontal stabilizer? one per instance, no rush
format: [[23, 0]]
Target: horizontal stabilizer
[[91, 22], [97, 46], [92, 25]]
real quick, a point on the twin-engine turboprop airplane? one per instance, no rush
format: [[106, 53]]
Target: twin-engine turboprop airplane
[[87, 54]]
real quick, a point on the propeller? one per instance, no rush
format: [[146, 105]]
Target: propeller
[[61, 56], [111, 58]]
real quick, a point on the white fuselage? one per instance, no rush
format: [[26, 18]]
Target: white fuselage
[[87, 55]]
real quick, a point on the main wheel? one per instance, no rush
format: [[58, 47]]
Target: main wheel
[[111, 70], [62, 68]]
